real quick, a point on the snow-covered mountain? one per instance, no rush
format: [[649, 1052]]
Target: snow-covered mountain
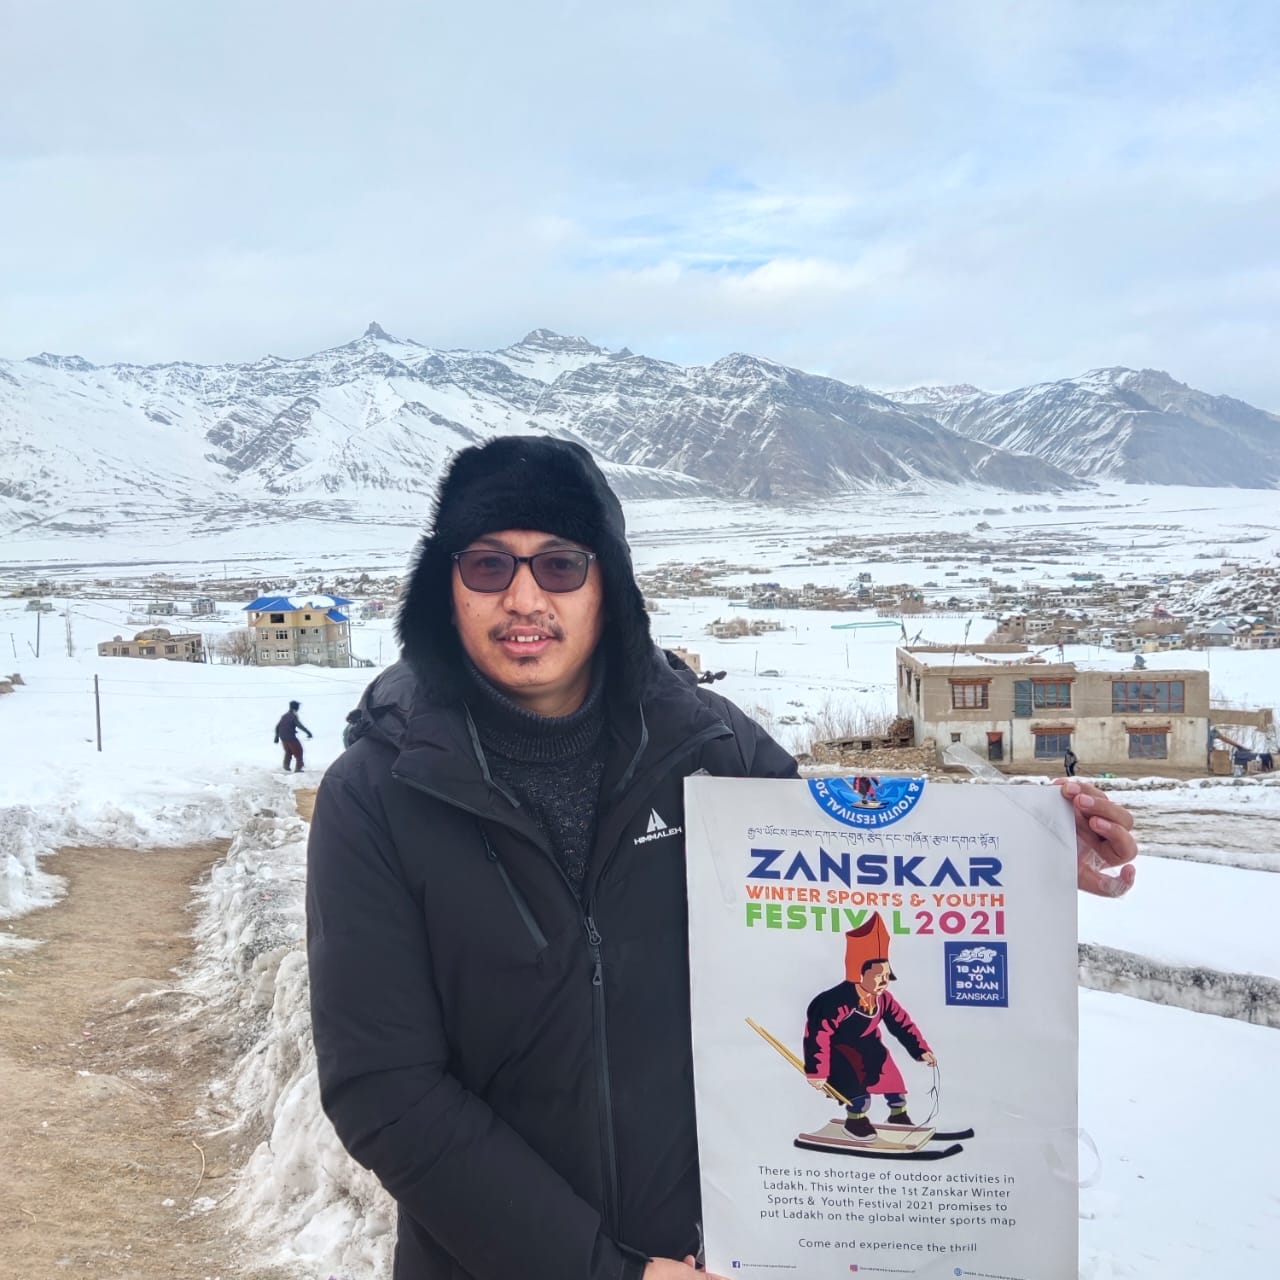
[[1139, 426], [375, 419]]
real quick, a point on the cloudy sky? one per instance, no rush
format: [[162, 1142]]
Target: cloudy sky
[[895, 193]]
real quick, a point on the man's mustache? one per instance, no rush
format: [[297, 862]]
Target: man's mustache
[[508, 629]]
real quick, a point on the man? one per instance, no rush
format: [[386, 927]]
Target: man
[[497, 925], [287, 735], [843, 1046], [1070, 762]]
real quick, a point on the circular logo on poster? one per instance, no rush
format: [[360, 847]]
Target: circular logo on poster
[[865, 801]]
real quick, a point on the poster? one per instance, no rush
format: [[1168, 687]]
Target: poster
[[884, 1016]]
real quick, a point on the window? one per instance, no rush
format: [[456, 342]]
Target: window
[[1049, 746], [282, 635], [1051, 693], [148, 651], [264, 635], [1148, 746], [171, 648], [306, 617], [277, 617], [282, 655], [1147, 695], [970, 694], [955, 737]]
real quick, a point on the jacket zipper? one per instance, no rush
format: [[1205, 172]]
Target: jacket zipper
[[604, 1086], [521, 905]]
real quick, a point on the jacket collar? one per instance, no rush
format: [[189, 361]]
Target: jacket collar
[[439, 751]]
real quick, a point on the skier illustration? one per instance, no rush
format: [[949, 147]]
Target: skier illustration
[[845, 1057], [843, 1045], [868, 790]]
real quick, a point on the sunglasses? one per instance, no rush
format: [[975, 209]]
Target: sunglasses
[[496, 570]]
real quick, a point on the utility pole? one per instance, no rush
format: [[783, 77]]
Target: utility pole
[[13, 644], [39, 615], [97, 709], [70, 646]]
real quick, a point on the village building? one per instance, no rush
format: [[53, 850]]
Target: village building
[[293, 630], [692, 660], [204, 607], [156, 642], [1016, 710]]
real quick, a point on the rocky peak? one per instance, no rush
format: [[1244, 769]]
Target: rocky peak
[[71, 364], [549, 340]]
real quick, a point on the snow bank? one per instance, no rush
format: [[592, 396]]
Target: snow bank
[[1250, 997], [303, 1202]]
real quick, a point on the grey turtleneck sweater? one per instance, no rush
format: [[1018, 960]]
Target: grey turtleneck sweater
[[552, 764]]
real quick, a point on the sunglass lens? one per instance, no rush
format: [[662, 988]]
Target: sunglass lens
[[486, 570], [560, 570]]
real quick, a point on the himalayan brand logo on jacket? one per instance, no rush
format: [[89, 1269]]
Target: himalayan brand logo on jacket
[[867, 802], [657, 829]]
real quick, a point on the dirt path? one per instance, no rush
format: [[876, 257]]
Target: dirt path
[[101, 1105]]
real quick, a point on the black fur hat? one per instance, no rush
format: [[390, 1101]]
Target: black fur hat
[[522, 482]]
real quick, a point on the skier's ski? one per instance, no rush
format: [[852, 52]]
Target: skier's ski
[[873, 1153], [952, 1135]]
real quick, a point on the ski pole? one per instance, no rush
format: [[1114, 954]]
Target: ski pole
[[827, 1088]]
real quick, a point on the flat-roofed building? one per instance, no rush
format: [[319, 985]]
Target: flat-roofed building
[[156, 642], [1014, 710]]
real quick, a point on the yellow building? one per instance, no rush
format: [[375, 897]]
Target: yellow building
[[156, 642]]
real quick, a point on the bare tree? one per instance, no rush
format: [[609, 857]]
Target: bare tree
[[236, 647]]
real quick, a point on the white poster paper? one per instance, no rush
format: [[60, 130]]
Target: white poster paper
[[884, 1017]]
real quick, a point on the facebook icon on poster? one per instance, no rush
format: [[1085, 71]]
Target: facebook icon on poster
[[978, 973]]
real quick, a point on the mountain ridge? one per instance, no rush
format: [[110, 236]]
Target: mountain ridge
[[377, 417]]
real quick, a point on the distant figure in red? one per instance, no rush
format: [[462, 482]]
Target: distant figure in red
[[866, 789], [287, 735], [842, 1042]]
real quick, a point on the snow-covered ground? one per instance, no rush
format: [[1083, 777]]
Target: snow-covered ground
[[187, 754]]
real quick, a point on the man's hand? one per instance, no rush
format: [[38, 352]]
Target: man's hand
[[818, 1082], [276, 739], [1104, 840], [670, 1269], [929, 1060]]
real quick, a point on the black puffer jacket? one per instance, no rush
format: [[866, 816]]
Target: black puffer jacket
[[512, 1063]]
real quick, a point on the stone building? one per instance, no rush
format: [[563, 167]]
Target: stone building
[[156, 642], [1020, 712]]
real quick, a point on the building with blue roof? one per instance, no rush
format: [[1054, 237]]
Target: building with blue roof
[[293, 630]]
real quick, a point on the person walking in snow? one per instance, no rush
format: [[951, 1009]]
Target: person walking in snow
[[497, 931], [287, 736]]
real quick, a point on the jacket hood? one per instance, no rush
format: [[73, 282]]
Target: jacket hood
[[521, 482]]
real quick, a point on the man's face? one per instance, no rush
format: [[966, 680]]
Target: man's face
[[532, 644], [875, 977]]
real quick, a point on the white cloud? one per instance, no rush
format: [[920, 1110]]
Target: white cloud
[[892, 193]]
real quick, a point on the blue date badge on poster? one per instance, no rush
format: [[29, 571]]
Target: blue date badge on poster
[[978, 973]]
